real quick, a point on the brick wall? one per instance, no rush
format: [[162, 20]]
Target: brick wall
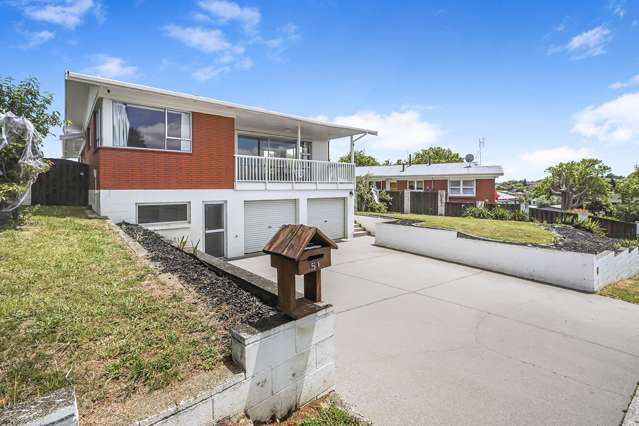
[[436, 185], [210, 165]]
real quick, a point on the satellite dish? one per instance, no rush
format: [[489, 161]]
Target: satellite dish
[[469, 158]]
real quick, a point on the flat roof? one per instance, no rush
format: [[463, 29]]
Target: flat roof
[[252, 116], [418, 170]]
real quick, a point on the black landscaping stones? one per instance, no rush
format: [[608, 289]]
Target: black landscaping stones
[[229, 304], [573, 239]]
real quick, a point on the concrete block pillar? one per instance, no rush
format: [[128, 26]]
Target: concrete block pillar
[[406, 201], [441, 202]]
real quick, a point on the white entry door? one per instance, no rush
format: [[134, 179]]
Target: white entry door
[[262, 219], [329, 215]]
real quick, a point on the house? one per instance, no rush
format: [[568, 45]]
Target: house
[[223, 175], [463, 182]]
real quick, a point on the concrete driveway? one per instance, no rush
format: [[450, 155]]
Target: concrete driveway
[[420, 341]]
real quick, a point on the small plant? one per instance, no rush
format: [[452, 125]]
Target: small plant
[[181, 242], [627, 244], [195, 246], [478, 212], [519, 216], [500, 213], [566, 219], [590, 225]]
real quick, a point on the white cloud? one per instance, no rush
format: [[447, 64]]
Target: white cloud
[[227, 11], [618, 7], [551, 156], [214, 71], [286, 35], [399, 133], [615, 121], [633, 81], [206, 40], [37, 38], [587, 44], [111, 67], [68, 14]]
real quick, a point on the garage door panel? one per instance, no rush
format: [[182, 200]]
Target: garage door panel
[[328, 214], [263, 218]]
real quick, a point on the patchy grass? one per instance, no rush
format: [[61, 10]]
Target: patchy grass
[[503, 230], [627, 290], [76, 307], [328, 415]]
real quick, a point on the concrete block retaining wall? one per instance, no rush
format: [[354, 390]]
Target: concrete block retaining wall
[[284, 368], [579, 271]]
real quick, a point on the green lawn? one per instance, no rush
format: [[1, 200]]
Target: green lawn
[[329, 415], [503, 230], [627, 290], [76, 307]]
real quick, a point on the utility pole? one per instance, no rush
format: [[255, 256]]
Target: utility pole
[[482, 144]]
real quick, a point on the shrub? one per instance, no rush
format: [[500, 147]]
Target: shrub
[[627, 244], [477, 212], [500, 213], [626, 212], [589, 225], [519, 216]]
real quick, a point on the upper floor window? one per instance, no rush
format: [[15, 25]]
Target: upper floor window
[[153, 128], [461, 188], [271, 147]]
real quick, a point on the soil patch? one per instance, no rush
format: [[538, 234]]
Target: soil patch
[[230, 305]]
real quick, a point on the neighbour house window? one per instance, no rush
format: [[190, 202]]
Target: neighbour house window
[[416, 185], [271, 147], [162, 213], [461, 188], [152, 128]]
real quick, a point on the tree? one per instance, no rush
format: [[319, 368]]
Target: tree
[[628, 187], [436, 155], [576, 182], [23, 99], [361, 159], [366, 200]]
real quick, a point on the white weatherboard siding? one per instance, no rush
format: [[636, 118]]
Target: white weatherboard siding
[[329, 215], [120, 205], [263, 218]]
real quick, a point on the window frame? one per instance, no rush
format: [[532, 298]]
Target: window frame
[[461, 187], [165, 203], [261, 138], [414, 183], [166, 127]]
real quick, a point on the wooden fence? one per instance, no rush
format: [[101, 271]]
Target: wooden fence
[[550, 215], [65, 184], [423, 202], [613, 228], [456, 209], [397, 201]]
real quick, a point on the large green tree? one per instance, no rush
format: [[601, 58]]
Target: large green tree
[[576, 182], [361, 159], [23, 99], [436, 155], [628, 187]]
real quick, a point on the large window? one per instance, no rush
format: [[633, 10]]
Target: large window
[[461, 188], [163, 213], [416, 185], [152, 128], [271, 147]]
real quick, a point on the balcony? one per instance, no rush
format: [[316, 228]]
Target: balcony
[[252, 172]]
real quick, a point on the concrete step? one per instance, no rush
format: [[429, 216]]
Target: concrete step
[[361, 233]]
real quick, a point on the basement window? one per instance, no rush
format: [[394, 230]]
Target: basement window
[[461, 188], [162, 213]]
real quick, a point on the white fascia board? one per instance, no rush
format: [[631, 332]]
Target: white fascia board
[[435, 177], [89, 79]]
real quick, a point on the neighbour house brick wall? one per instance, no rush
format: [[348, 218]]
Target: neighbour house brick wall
[[402, 185], [436, 185], [210, 165]]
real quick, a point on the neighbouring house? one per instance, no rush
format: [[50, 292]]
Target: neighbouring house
[[225, 176], [463, 182]]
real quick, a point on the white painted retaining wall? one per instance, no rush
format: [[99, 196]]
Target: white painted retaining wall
[[369, 222], [579, 271], [284, 368]]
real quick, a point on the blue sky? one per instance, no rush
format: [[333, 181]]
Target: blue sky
[[542, 82]]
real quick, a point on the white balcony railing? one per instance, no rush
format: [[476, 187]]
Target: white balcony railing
[[264, 169]]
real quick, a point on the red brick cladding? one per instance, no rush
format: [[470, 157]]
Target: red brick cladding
[[436, 185], [211, 165]]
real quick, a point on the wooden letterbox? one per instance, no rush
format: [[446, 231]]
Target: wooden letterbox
[[299, 250]]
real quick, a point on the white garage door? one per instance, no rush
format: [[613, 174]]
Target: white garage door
[[263, 218], [328, 214]]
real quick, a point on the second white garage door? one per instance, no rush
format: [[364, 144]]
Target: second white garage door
[[263, 218], [328, 214]]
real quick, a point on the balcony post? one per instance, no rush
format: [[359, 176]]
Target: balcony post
[[299, 141], [352, 150]]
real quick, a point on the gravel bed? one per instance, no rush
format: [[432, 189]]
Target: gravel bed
[[230, 304], [573, 239]]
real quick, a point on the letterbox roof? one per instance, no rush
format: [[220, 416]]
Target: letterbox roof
[[291, 240]]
